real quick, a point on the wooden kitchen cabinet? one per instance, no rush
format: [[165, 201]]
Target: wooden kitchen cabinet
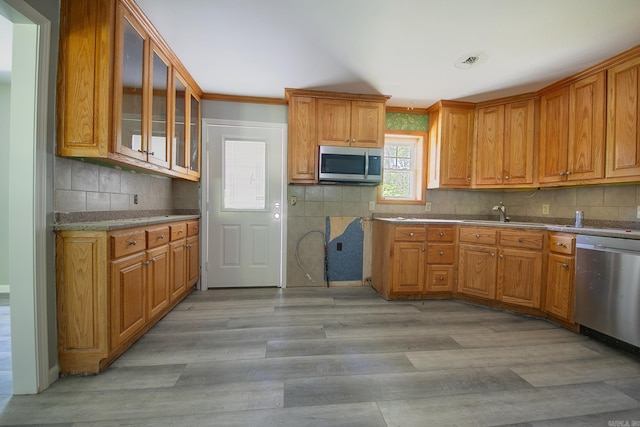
[[450, 144], [505, 143], [302, 146], [115, 90], [441, 251], [561, 276], [112, 286], [477, 261], [623, 120], [128, 302], [343, 122], [520, 267], [572, 132], [329, 118], [408, 267]]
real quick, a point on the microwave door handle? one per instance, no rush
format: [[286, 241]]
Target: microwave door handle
[[366, 165]]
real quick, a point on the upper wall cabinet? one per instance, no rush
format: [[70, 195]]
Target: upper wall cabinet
[[572, 137], [505, 144], [450, 144], [119, 89], [623, 116], [350, 123], [329, 118]]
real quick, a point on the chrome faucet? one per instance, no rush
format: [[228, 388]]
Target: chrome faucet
[[502, 210]]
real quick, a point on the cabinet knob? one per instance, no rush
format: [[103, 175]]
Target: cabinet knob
[[133, 243], [411, 234], [441, 234], [520, 240], [559, 244], [353, 140], [422, 250], [507, 177], [493, 254], [565, 265], [501, 256], [477, 236], [561, 173], [441, 279], [161, 237], [188, 246], [146, 262], [346, 140], [151, 153], [499, 177], [468, 178], [568, 173], [441, 253]]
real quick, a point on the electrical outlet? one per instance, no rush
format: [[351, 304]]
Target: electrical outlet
[[293, 200], [372, 205], [545, 209], [427, 207]]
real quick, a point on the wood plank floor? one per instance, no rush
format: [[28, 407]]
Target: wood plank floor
[[345, 357]]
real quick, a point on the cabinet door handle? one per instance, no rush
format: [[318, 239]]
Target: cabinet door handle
[[565, 265], [151, 153], [133, 243]]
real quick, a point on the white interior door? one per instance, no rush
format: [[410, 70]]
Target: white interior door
[[244, 207]]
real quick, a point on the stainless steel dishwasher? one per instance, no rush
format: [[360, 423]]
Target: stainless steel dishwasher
[[607, 297]]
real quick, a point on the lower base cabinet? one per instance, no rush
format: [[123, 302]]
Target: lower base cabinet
[[530, 271], [113, 286]]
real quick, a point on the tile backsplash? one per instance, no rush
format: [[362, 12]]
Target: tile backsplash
[[85, 187]]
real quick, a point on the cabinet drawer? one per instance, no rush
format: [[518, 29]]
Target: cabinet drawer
[[440, 234], [439, 278], [127, 242], [157, 236], [481, 235], [562, 243], [178, 231], [193, 227], [522, 239], [440, 254], [410, 233]]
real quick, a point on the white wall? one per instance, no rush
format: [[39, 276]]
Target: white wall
[[5, 90]]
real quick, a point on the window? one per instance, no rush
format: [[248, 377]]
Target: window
[[403, 176]]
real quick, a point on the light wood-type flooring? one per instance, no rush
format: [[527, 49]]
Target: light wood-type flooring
[[345, 357]]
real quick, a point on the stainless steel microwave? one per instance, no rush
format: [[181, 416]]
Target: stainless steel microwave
[[349, 165]]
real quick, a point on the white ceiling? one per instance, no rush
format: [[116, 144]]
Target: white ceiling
[[403, 48]]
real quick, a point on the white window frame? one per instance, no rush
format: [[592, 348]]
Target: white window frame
[[417, 141]]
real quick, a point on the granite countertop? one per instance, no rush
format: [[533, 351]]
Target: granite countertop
[[119, 224], [589, 230]]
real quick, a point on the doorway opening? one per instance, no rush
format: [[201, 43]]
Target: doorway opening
[[25, 193]]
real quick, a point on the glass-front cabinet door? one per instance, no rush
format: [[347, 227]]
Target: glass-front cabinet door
[[158, 145], [194, 136], [130, 93], [179, 142]]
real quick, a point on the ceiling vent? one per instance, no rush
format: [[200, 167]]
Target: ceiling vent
[[470, 60]]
